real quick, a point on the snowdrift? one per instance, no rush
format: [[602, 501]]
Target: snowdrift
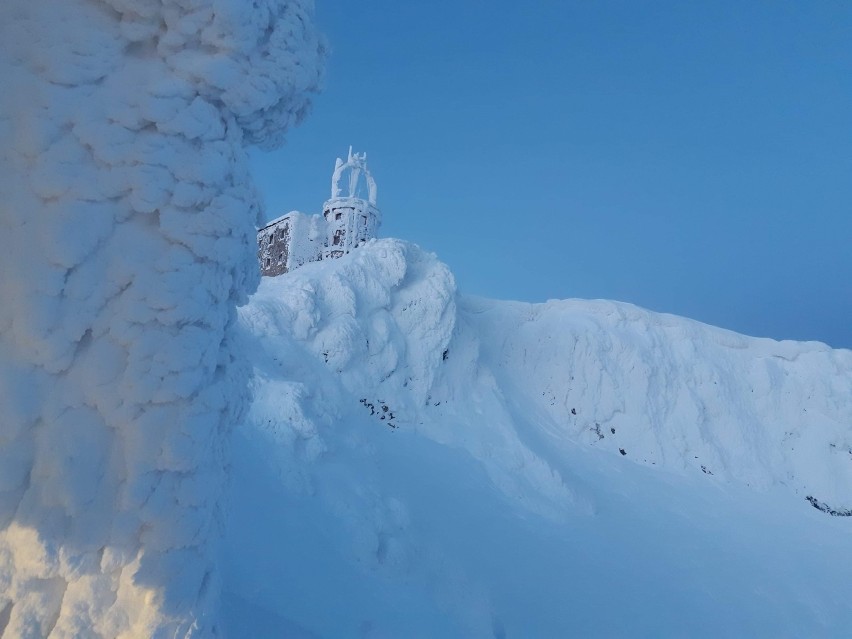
[[422, 463]]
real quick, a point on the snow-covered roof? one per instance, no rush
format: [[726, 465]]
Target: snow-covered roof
[[280, 218]]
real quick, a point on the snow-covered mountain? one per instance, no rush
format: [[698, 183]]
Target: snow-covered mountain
[[421, 463]]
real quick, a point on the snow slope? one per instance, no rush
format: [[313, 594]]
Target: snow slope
[[419, 463]]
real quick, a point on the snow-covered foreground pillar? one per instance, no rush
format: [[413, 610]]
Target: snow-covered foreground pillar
[[126, 243]]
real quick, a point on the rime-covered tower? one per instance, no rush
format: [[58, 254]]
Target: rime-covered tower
[[351, 219]]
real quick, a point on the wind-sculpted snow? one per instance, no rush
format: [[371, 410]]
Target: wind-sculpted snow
[[434, 465], [446, 466], [669, 392], [126, 243], [657, 389], [380, 320]]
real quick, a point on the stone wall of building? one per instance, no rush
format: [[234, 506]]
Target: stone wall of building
[[351, 222], [290, 241], [273, 247]]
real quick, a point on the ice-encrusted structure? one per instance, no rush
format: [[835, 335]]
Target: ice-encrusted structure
[[127, 223], [289, 241], [352, 218], [450, 466], [347, 222]]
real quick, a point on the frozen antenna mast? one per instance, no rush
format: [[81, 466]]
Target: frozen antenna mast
[[357, 165]]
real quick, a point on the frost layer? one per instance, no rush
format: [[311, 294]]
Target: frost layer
[[126, 243]]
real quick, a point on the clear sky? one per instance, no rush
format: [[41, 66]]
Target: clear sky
[[691, 158]]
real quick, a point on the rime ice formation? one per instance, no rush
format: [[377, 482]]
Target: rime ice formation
[[126, 239], [352, 219], [449, 466], [347, 222]]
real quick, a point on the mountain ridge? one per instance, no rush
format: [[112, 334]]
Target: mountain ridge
[[421, 463]]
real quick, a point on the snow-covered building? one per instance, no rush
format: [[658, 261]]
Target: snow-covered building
[[289, 241], [347, 221]]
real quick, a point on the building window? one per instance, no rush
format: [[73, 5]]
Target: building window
[[269, 241], [268, 262], [338, 236], [338, 215], [281, 257]]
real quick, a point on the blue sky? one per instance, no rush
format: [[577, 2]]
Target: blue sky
[[691, 158]]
